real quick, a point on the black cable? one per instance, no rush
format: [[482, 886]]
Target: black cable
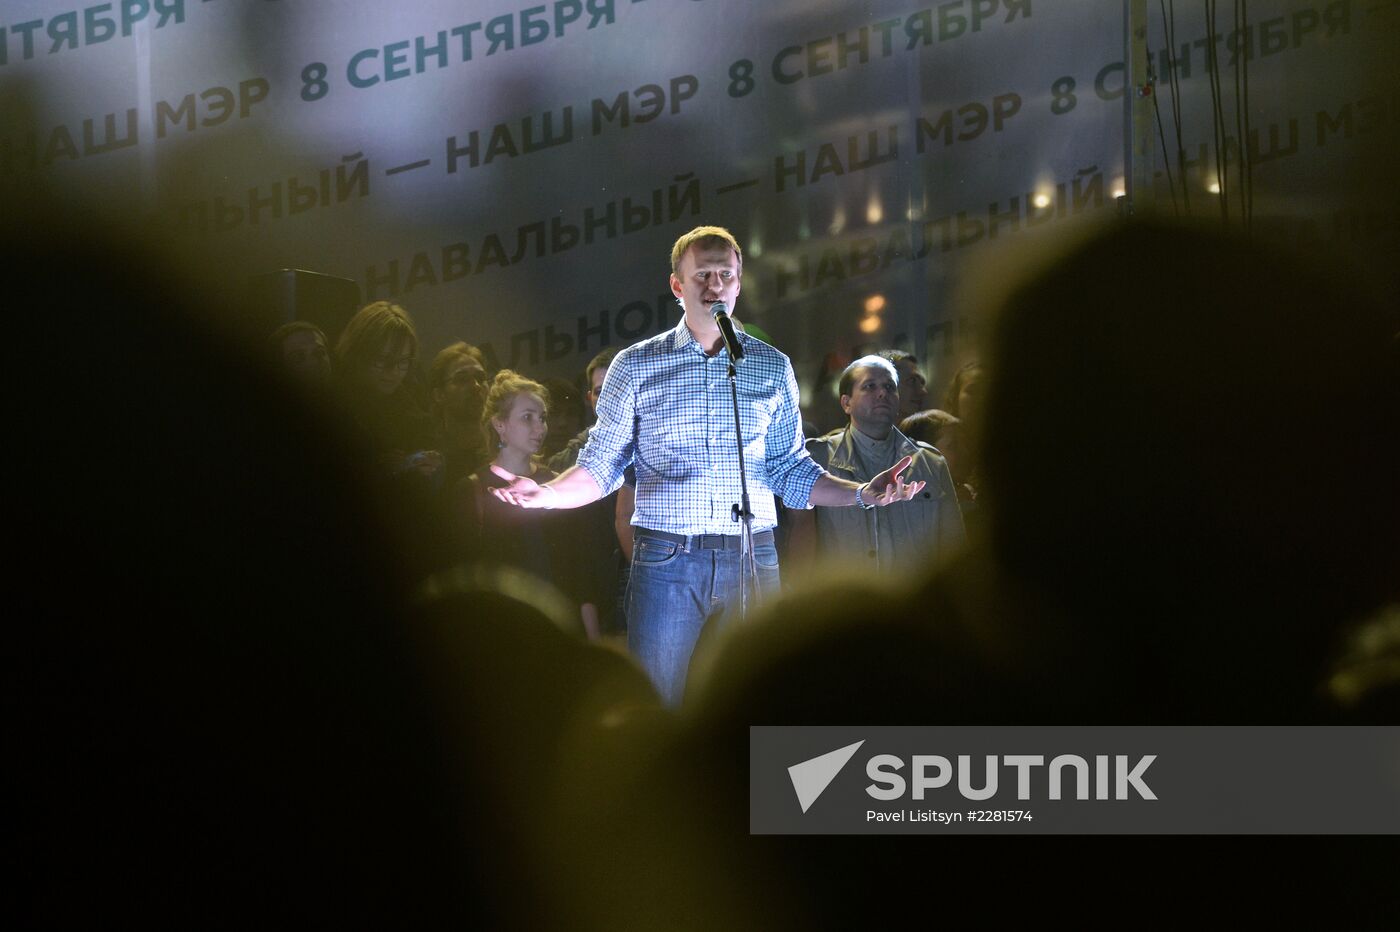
[[1249, 161], [1213, 80], [1241, 140], [1217, 118], [1174, 78], [1162, 135]]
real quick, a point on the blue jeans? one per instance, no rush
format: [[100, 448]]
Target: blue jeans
[[679, 590]]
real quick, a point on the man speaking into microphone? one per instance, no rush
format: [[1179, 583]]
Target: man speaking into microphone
[[666, 409]]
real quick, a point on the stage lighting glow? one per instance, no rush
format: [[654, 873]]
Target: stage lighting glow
[[1214, 187], [874, 213], [875, 304], [1041, 201], [869, 324]]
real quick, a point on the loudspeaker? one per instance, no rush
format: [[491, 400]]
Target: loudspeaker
[[286, 295]]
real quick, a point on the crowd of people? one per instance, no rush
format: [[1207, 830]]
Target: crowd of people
[[283, 651], [440, 427], [454, 432]]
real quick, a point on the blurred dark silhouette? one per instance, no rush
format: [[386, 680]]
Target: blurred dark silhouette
[[1158, 550], [1161, 549], [930, 426], [1136, 444], [223, 708], [221, 702]]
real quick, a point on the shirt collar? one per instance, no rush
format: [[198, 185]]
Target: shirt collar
[[845, 455], [873, 446], [683, 337]]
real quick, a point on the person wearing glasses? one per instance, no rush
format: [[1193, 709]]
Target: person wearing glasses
[[457, 387], [373, 359]]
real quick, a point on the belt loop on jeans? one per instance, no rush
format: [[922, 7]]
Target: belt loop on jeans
[[704, 541]]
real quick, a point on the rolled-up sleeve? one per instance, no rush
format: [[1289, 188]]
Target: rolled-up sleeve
[[612, 440], [791, 469]]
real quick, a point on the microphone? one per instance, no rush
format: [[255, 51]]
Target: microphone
[[726, 328]]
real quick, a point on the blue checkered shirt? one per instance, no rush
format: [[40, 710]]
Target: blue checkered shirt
[[665, 408]]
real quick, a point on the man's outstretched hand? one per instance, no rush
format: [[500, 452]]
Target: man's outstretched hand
[[887, 488], [522, 491]]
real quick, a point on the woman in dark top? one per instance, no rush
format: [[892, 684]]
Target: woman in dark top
[[514, 419], [373, 359]]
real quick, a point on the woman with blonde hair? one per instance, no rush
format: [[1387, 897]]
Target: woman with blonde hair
[[515, 421]]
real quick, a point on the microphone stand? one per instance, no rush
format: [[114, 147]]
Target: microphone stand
[[748, 567]]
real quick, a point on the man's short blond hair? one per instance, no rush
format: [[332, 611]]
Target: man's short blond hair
[[705, 236]]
